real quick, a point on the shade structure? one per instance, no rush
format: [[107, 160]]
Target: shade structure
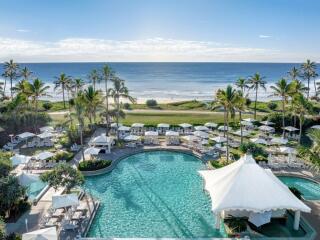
[[25, 179], [26, 135], [201, 134], [201, 128], [131, 138], [101, 140], [219, 139], [288, 150], [259, 141], [290, 129], [46, 129], [124, 129], [315, 127], [223, 128], [92, 151], [190, 138], [185, 125], [163, 125], [267, 123], [172, 134], [211, 124], [19, 159], [44, 155], [66, 200], [252, 120], [41, 234], [151, 133], [279, 141], [244, 133], [245, 123], [245, 186], [137, 125], [45, 135], [266, 128]]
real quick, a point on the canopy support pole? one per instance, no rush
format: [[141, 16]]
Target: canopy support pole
[[296, 220], [218, 221], [109, 147]]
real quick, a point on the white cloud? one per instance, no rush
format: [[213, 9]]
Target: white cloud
[[264, 36], [23, 30], [153, 49]]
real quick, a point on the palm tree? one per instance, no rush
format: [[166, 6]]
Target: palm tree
[[240, 106], [92, 100], [309, 72], [242, 84], [63, 82], [301, 108], [107, 75], [294, 73], [282, 90], [119, 91], [312, 154], [296, 87], [25, 73], [77, 85], [227, 99], [11, 72], [94, 78], [80, 107], [256, 81]]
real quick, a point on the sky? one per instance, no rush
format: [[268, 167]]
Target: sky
[[160, 30]]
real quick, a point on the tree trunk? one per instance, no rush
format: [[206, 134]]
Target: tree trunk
[[227, 137], [315, 86], [81, 141], [64, 102], [107, 108], [283, 115], [308, 88], [11, 92], [4, 87], [300, 131], [36, 116], [240, 116], [224, 122], [118, 110], [255, 104]]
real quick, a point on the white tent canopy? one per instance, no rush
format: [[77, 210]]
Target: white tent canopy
[[124, 129], [268, 123], [131, 138], [41, 234], [279, 140], [44, 155], [137, 125], [66, 200], [266, 128], [26, 135], [223, 128], [101, 140], [201, 134], [201, 128], [219, 139], [92, 151], [19, 159], [25, 179], [211, 125], [172, 134], [245, 123], [163, 125], [185, 125], [259, 141], [252, 120], [45, 135], [151, 133], [244, 133], [315, 127], [290, 129], [245, 186]]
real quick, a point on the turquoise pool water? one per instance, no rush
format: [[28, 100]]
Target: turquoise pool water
[[153, 194], [34, 189], [309, 189]]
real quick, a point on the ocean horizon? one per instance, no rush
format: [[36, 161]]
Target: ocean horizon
[[167, 81]]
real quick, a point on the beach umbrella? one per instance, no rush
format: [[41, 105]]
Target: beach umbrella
[[172, 133], [259, 141], [163, 125], [290, 129], [46, 129], [45, 135], [266, 128], [26, 179], [223, 128], [315, 127], [19, 159], [288, 150], [101, 140], [185, 125], [151, 133], [279, 141], [26, 135], [41, 234], [44, 155], [252, 120], [131, 138], [114, 125], [245, 123], [201, 128], [66, 200], [124, 129], [201, 134], [92, 151], [219, 139], [190, 138], [137, 125], [211, 125], [244, 133], [268, 123]]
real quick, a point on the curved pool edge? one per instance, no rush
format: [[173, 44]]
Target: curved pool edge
[[287, 174], [115, 162]]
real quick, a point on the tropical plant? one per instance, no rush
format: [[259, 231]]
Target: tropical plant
[[294, 74], [25, 73], [240, 106], [63, 82], [11, 71], [92, 100], [63, 175], [282, 90], [242, 84], [256, 81], [312, 154], [301, 108], [80, 107], [227, 99], [94, 78], [77, 85], [309, 72], [119, 91], [151, 103]]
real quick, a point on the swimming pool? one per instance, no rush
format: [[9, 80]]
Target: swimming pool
[[309, 189], [153, 194], [34, 189]]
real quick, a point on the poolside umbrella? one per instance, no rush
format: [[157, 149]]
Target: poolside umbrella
[[45, 135], [259, 141], [26, 135], [245, 123], [92, 151], [201, 128], [137, 125], [223, 128], [315, 127], [25, 179], [190, 138], [66, 200], [290, 129], [46, 129], [185, 125], [163, 125], [268, 123], [252, 120], [172, 133], [266, 128], [219, 139], [131, 138], [290, 151], [151, 133], [244, 133], [279, 141], [41, 234], [211, 125], [19, 159], [44, 155], [101, 140], [201, 134], [124, 129]]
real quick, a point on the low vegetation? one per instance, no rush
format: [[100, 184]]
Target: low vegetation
[[93, 165]]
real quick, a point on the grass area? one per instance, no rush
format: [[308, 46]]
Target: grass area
[[183, 105]]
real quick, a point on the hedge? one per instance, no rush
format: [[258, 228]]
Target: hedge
[[93, 165]]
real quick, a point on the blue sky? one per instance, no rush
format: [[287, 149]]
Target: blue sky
[[162, 30]]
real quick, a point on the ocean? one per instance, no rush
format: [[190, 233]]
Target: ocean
[[168, 81]]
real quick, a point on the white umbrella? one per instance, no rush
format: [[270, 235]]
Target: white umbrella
[[211, 125], [288, 150], [268, 123], [223, 128], [252, 120], [315, 127], [101, 140], [26, 135], [244, 133], [25, 179], [44, 155], [201, 128], [151, 133], [172, 133], [41, 234], [124, 129], [137, 125], [266, 128], [280, 141], [290, 129], [201, 134], [66, 200], [163, 125], [130, 138], [45, 135], [185, 125], [114, 125], [245, 123], [259, 141], [92, 151], [219, 139], [190, 138], [46, 129], [19, 159]]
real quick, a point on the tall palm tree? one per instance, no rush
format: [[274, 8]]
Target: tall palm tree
[[63, 82], [282, 90], [80, 108], [37, 89], [107, 75], [296, 87], [256, 81], [92, 100], [309, 72], [294, 74], [119, 91], [11, 71], [227, 99], [301, 108], [94, 78], [77, 85], [240, 106], [242, 84], [25, 73]]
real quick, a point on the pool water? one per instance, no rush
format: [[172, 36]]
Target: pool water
[[34, 189], [153, 194], [309, 189]]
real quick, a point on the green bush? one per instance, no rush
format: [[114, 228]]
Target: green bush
[[93, 165], [47, 105], [151, 103], [63, 155], [272, 105], [253, 148], [126, 106]]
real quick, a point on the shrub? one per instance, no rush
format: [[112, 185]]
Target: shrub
[[47, 105], [93, 165], [248, 101], [151, 103], [126, 106], [252, 148], [272, 105], [63, 155]]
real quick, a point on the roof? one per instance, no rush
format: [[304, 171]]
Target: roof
[[201, 128], [163, 125], [172, 133], [44, 155], [211, 124], [316, 127], [185, 125], [41, 234], [151, 133], [26, 135], [45, 135], [137, 125], [250, 120], [101, 140], [244, 185]]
